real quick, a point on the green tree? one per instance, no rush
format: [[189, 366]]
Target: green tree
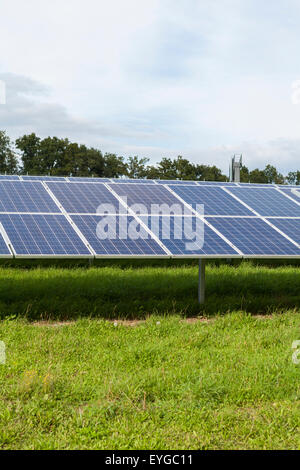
[[8, 159], [136, 167], [209, 173], [244, 174], [114, 166], [272, 175], [29, 148], [293, 177]]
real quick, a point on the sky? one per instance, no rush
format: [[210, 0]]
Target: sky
[[199, 78]]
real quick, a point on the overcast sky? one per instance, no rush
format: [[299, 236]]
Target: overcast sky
[[200, 78]]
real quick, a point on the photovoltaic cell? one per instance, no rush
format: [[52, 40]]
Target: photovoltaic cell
[[254, 237], [117, 242], [267, 202], [42, 235], [21, 196], [83, 197], [215, 200], [148, 196]]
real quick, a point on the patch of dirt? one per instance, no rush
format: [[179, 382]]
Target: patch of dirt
[[54, 324]]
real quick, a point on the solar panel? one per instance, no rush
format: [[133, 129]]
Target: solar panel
[[291, 227], [184, 182], [129, 181], [43, 235], [294, 193], [9, 177], [254, 237], [21, 196], [43, 178], [152, 197], [257, 185], [82, 197], [215, 200], [267, 202], [90, 179], [188, 236], [216, 183], [35, 225], [4, 251], [117, 241]]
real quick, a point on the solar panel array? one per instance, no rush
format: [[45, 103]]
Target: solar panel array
[[104, 217]]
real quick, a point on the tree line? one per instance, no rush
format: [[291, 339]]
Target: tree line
[[53, 156]]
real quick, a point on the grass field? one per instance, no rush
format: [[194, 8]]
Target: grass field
[[125, 291], [225, 380]]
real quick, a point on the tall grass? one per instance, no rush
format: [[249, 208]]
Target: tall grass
[[127, 291]]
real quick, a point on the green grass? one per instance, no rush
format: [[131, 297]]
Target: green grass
[[224, 381], [228, 383], [135, 292]]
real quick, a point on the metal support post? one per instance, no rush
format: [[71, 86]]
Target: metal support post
[[201, 281]]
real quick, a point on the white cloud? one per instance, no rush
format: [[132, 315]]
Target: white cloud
[[202, 79]]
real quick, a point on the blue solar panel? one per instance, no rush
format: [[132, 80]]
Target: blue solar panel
[[42, 235], [9, 177], [294, 193], [288, 186], [253, 237], [83, 179], [215, 183], [188, 236], [118, 241], [4, 251], [215, 200], [20, 196], [291, 227], [267, 202], [150, 196], [257, 185], [184, 182], [83, 197], [128, 181], [43, 178]]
